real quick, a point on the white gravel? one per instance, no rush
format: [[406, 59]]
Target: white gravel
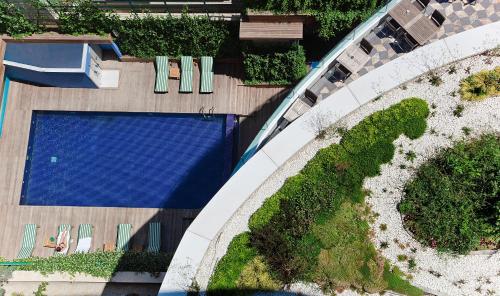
[[474, 274]]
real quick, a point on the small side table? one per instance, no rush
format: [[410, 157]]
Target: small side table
[[50, 242], [174, 73], [137, 248], [109, 247]]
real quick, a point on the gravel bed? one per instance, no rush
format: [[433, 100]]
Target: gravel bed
[[474, 274]]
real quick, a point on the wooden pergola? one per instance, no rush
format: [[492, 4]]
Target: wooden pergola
[[271, 31]]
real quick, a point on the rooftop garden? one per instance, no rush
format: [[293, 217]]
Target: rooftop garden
[[315, 228]]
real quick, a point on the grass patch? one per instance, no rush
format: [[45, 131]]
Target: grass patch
[[452, 204], [481, 85], [229, 269], [396, 283], [99, 264]]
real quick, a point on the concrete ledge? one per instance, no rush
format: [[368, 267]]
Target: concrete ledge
[[119, 277], [267, 160]]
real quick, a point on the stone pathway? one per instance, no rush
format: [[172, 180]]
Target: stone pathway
[[459, 18]]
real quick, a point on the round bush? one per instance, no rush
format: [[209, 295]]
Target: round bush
[[453, 202]]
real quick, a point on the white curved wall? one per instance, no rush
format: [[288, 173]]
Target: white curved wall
[[266, 161]]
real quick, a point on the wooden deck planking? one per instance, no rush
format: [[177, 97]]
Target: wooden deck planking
[[135, 94], [105, 221]]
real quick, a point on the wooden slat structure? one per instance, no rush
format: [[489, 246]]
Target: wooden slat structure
[[271, 31], [134, 94]]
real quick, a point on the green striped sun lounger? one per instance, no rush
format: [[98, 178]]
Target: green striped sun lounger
[[84, 238], [123, 237], [186, 74], [28, 243], [161, 85], [154, 237], [67, 239], [207, 75]]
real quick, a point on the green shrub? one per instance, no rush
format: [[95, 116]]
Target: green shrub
[[481, 85], [452, 203], [275, 66], [84, 17], [143, 37], [229, 269], [167, 35], [13, 22], [334, 17], [100, 264]]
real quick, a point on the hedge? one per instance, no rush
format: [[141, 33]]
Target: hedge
[[143, 37], [288, 230], [275, 67], [99, 264], [334, 17], [452, 203]]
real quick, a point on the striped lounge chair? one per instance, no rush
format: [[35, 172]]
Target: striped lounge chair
[[28, 243], [60, 229], [123, 237], [161, 85], [154, 237], [84, 238], [186, 74], [207, 75]]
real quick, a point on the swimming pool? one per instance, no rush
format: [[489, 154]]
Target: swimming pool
[[140, 160]]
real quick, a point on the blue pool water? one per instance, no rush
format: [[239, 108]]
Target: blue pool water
[[126, 159]]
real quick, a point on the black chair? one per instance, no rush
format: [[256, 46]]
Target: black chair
[[421, 4], [410, 42], [366, 46], [393, 26], [340, 72], [310, 97], [437, 18]]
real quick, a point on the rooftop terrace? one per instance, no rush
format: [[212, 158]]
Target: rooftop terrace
[[134, 94]]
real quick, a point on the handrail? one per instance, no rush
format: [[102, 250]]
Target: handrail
[[271, 124]]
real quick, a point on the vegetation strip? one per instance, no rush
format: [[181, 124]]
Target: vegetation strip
[[99, 264], [315, 227]]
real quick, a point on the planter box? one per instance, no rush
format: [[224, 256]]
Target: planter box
[[124, 277]]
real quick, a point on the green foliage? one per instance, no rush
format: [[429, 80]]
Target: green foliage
[[275, 67], [167, 35], [40, 291], [84, 17], [333, 17], [256, 276], [227, 274], [143, 37], [453, 203], [13, 22], [457, 112], [481, 85], [100, 264], [347, 258], [311, 229], [396, 283]]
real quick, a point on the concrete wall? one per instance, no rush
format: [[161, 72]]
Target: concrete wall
[[275, 153]]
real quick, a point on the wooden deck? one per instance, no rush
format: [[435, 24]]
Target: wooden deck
[[135, 94], [271, 31]]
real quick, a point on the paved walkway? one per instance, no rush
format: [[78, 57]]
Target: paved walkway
[[459, 18]]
